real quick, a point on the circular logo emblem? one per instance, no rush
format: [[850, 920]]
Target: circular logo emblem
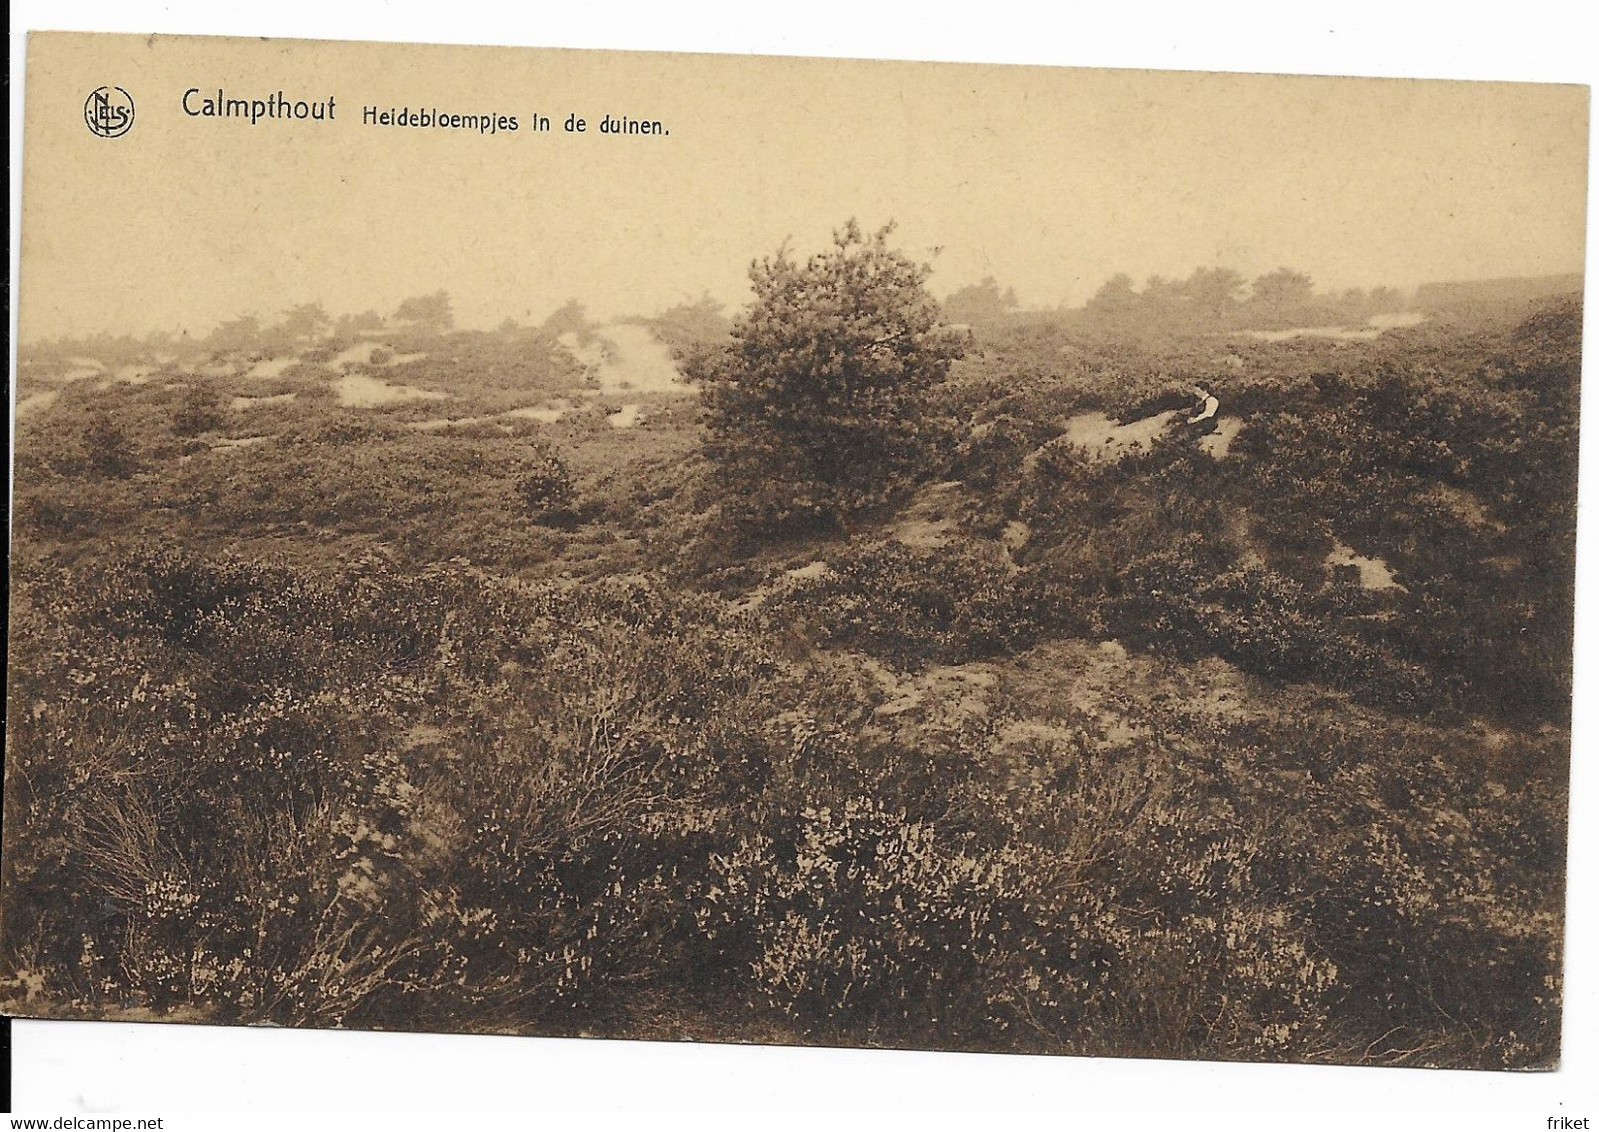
[[109, 112]]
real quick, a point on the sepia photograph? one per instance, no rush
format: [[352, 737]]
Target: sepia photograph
[[793, 551]]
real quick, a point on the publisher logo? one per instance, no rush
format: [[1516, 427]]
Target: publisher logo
[[109, 112]]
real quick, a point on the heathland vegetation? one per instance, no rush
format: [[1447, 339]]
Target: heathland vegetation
[[1187, 675]]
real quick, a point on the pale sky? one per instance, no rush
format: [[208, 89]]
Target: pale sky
[[1049, 180]]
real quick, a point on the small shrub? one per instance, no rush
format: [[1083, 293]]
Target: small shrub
[[948, 606], [108, 450], [544, 484], [200, 411]]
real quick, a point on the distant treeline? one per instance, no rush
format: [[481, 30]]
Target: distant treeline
[[1209, 298], [1434, 296], [295, 328], [1219, 298], [680, 326]]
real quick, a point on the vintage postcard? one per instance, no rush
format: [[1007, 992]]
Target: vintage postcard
[[881, 554]]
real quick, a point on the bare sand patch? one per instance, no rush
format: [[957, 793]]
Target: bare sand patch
[[268, 368], [235, 443], [1104, 439], [358, 391], [37, 403], [1217, 444], [1374, 572], [627, 417], [241, 403], [544, 414]]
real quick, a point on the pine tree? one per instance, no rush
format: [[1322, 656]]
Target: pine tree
[[816, 407]]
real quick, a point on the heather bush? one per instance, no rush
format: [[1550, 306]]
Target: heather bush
[[107, 450], [454, 801], [200, 410], [862, 924], [383, 745], [283, 739], [947, 605], [545, 485]]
